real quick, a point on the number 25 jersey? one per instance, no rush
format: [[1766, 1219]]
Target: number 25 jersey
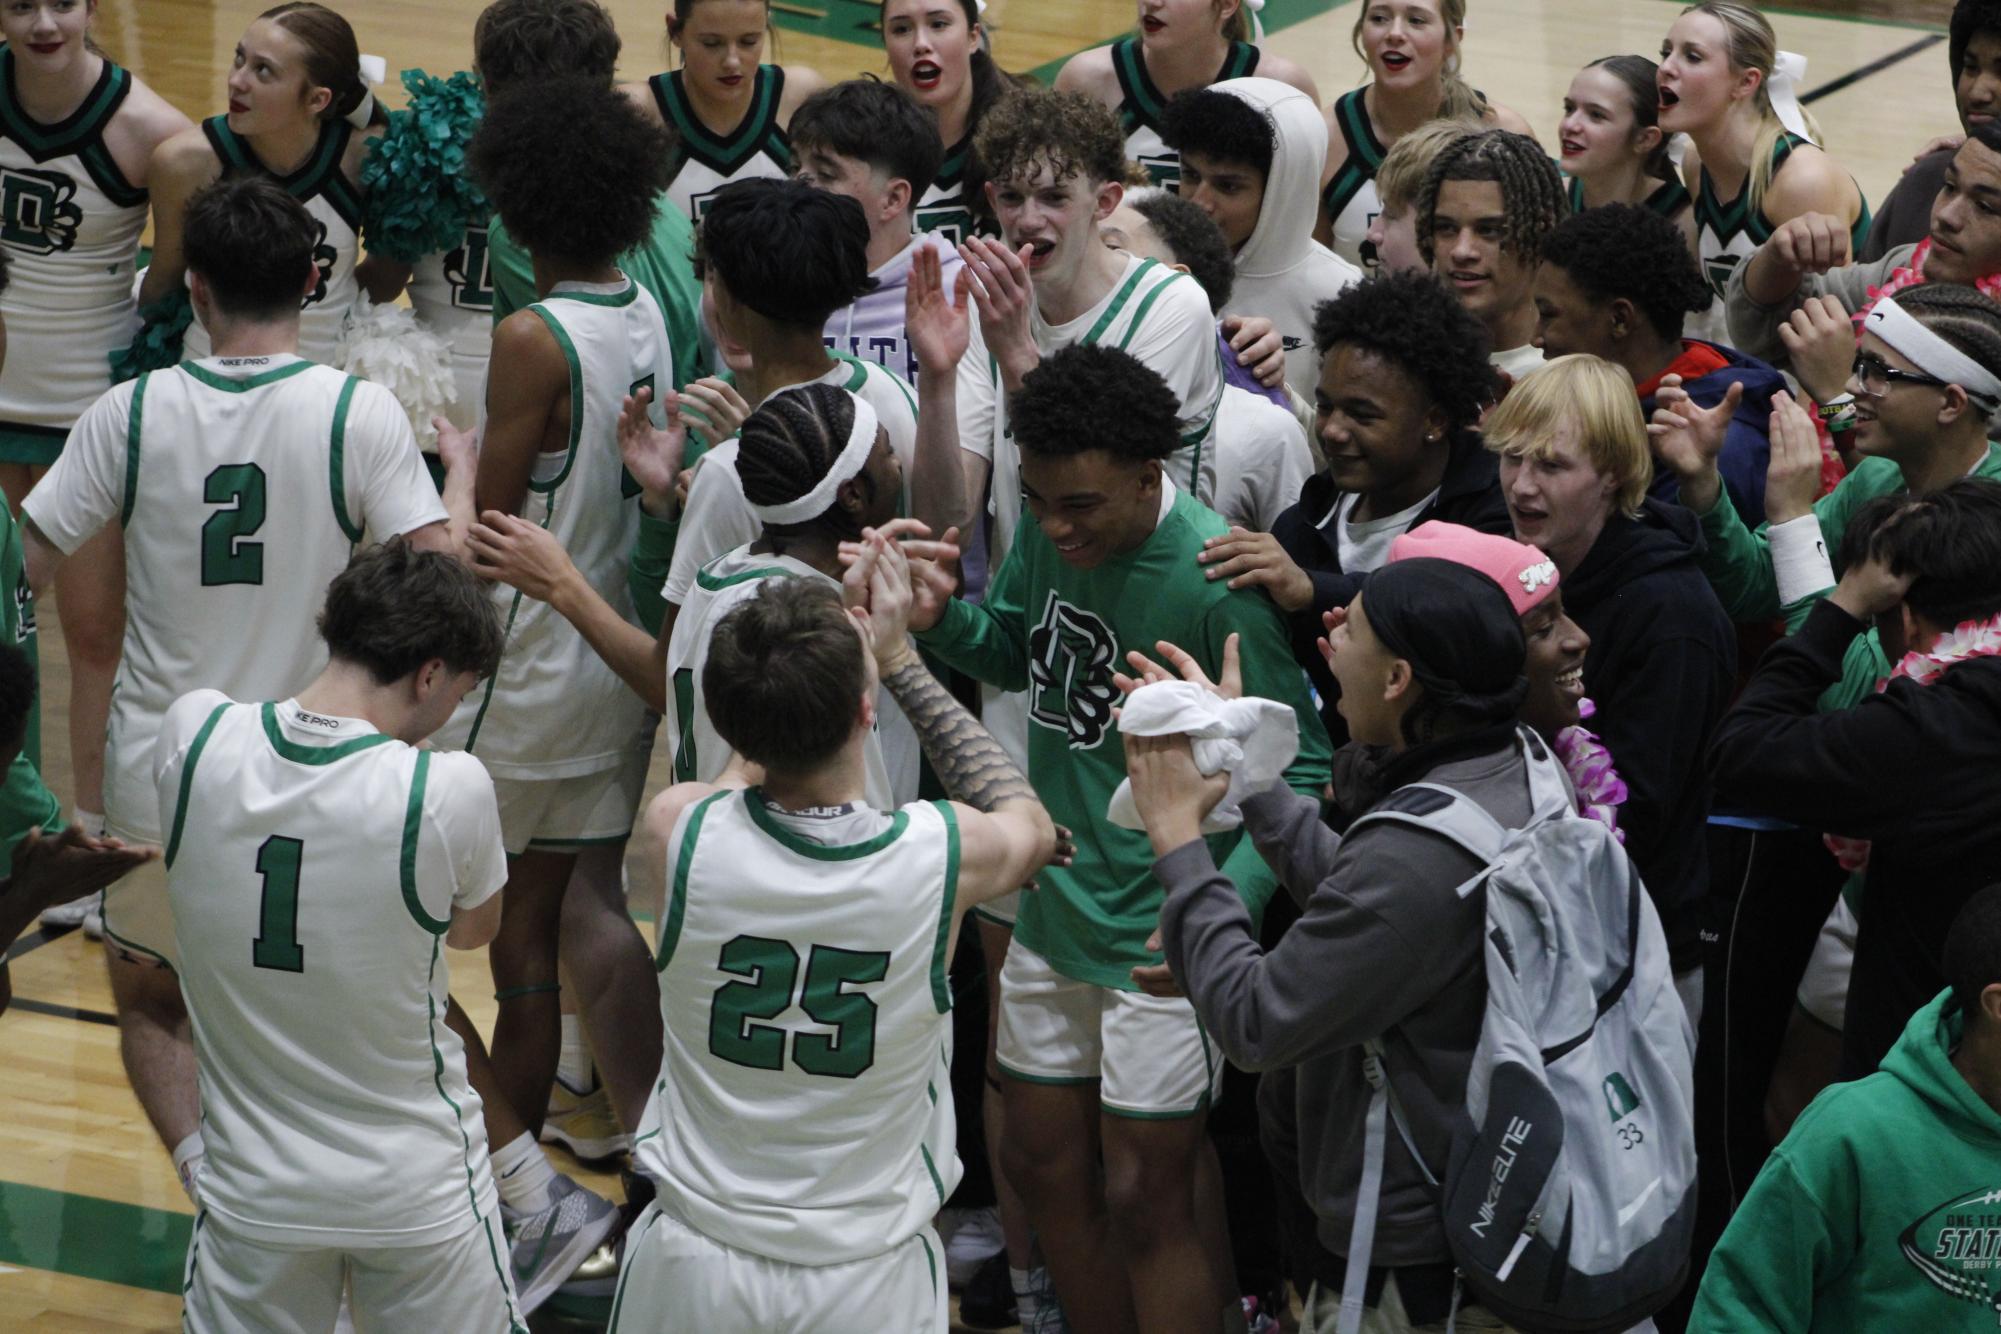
[[804, 1107], [242, 484]]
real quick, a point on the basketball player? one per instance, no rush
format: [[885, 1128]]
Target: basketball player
[[346, 1150], [242, 482], [798, 1163], [572, 169]]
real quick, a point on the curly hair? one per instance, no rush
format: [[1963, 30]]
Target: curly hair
[[1218, 125], [786, 447], [1086, 397], [572, 168], [516, 41], [1069, 133], [1191, 237], [876, 123], [1626, 250], [1412, 321], [1532, 193], [790, 252]]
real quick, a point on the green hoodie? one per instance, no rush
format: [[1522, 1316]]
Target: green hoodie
[[1881, 1211]]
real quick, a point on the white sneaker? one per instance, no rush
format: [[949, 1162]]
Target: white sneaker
[[545, 1247], [972, 1237], [68, 916]]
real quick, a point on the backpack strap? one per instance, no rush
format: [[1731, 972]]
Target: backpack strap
[[1384, 1110], [1441, 810]]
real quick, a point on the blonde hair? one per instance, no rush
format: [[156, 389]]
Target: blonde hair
[[1750, 43], [1400, 178], [1598, 398], [1457, 100]]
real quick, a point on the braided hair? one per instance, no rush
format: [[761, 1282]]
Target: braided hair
[[1532, 194], [786, 448]]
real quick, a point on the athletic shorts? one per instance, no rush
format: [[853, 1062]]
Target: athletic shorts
[[1150, 1052], [565, 814], [1823, 991], [139, 919], [233, 1284], [676, 1278]]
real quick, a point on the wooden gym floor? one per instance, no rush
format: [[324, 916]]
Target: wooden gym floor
[[93, 1226]]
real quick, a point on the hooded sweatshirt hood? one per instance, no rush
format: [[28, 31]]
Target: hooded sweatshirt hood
[[1282, 272]]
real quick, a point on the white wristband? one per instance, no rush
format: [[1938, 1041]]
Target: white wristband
[[1799, 558]]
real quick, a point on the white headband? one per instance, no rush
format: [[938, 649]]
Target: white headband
[[371, 72], [1934, 356], [854, 454], [1783, 88]]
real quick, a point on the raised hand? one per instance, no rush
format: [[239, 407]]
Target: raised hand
[[1810, 243], [652, 454], [1002, 293], [719, 411], [934, 566], [1183, 662], [1820, 344], [1792, 478], [1688, 439], [938, 324], [1259, 347], [508, 549]]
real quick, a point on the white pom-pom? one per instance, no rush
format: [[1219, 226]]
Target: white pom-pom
[[389, 345]]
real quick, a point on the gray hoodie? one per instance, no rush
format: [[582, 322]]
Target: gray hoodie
[[1385, 947], [1282, 272], [1754, 328]]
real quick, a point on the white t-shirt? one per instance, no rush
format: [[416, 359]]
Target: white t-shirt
[[1261, 459], [1365, 546]]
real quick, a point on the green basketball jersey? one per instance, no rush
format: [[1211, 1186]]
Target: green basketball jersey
[[1059, 633]]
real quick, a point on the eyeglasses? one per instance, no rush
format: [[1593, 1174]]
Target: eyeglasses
[[1876, 376]]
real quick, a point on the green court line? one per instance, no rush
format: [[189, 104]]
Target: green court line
[[86, 1237]]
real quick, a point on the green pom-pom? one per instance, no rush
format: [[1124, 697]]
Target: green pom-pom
[[157, 345], [419, 197]]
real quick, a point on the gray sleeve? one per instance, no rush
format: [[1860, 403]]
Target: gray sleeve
[[1754, 328], [1291, 837], [1366, 952]]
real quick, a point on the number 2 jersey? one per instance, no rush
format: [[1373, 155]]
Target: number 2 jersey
[[804, 1107], [243, 484], [313, 864]]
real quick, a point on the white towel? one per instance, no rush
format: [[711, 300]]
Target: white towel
[[1252, 740]]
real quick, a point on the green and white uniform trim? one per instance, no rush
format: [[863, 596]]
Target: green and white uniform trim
[[1351, 198], [70, 223], [704, 161], [335, 206], [1142, 106], [804, 1108]]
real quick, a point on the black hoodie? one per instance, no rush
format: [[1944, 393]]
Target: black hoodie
[[1661, 666], [1469, 494]]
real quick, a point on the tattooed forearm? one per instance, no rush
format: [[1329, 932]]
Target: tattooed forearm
[[968, 761]]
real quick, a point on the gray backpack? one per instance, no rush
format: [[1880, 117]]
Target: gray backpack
[[1569, 1196]]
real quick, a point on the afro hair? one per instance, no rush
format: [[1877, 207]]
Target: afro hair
[[1192, 237], [1087, 397], [1219, 126], [1071, 134], [1412, 321], [572, 168]]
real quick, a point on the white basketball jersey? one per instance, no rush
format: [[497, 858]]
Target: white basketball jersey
[[452, 293], [804, 1109], [243, 484], [697, 750], [335, 207], [704, 162], [555, 709], [313, 864], [1159, 315], [70, 225]]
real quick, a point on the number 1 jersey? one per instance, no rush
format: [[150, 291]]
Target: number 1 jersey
[[804, 1107], [243, 484], [314, 864]]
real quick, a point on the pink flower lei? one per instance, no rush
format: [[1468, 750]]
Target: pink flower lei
[[1600, 790], [1963, 643]]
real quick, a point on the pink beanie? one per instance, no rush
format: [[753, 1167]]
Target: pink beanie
[[1523, 572]]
